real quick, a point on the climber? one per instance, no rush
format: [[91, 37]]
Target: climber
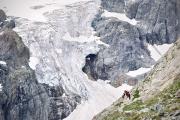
[[127, 94]]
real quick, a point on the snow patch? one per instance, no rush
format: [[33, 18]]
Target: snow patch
[[1, 33], [157, 51], [2, 62], [23, 66], [139, 71], [142, 56], [102, 95], [120, 16], [64, 95], [59, 51], [33, 62], [1, 87], [101, 43]]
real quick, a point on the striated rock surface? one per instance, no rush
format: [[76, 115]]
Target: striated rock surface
[[113, 5], [158, 20]]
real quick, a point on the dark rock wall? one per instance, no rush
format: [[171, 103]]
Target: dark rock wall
[[127, 51], [113, 5]]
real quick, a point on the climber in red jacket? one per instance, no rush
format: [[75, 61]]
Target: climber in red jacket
[[127, 94]]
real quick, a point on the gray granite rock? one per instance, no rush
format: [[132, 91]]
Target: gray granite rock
[[22, 97], [9, 24], [2, 16], [127, 51], [158, 19], [131, 8], [113, 5]]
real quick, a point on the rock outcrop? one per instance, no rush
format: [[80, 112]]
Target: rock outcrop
[[22, 98], [157, 23], [2, 16], [124, 51], [158, 20], [113, 5]]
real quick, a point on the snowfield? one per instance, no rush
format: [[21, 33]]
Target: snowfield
[[157, 51], [33, 9], [33, 62], [139, 71], [102, 95], [120, 16]]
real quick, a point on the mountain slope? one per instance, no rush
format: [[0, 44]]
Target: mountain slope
[[158, 96]]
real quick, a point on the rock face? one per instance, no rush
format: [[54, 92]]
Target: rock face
[[158, 20], [22, 97], [122, 78], [113, 5], [157, 94], [127, 51], [124, 51], [2, 16], [60, 105]]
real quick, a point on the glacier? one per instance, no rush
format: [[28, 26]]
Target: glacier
[[102, 95], [59, 36]]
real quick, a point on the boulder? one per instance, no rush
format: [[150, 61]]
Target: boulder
[[2, 16]]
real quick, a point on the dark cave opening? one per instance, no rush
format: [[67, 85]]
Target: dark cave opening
[[90, 65]]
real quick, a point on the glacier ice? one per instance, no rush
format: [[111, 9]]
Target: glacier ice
[[59, 40]]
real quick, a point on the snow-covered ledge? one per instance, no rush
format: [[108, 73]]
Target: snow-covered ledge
[[120, 16]]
